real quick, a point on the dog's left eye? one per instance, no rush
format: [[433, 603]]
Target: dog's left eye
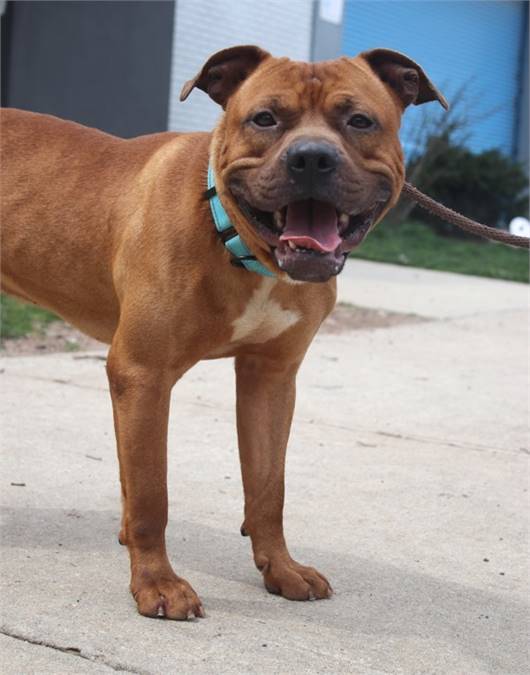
[[264, 119], [359, 121]]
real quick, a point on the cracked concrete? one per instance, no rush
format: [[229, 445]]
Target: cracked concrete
[[21, 655], [407, 485]]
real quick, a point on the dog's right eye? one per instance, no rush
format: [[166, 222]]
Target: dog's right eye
[[264, 119]]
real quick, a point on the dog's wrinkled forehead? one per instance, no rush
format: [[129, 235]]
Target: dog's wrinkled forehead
[[368, 75], [299, 88]]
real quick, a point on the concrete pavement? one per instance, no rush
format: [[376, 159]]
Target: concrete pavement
[[428, 293], [407, 485]]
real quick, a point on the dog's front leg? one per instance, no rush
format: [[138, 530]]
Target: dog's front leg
[[140, 398], [265, 404]]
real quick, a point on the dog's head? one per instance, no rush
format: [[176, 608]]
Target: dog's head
[[307, 156]]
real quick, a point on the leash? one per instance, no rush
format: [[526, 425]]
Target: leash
[[461, 221], [242, 257]]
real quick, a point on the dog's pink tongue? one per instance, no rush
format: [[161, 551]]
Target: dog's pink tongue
[[312, 224]]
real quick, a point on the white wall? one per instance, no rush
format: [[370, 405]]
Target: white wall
[[202, 27]]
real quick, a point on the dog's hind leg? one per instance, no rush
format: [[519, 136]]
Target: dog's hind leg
[[265, 404], [140, 396]]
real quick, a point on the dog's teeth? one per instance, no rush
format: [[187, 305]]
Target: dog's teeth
[[278, 221], [292, 245], [344, 219]]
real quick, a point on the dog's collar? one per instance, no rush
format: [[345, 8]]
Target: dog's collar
[[241, 255]]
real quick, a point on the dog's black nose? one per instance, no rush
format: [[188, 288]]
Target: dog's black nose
[[310, 161]]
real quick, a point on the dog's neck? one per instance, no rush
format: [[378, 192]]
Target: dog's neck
[[241, 254]]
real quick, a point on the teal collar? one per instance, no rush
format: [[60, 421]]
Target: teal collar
[[241, 255]]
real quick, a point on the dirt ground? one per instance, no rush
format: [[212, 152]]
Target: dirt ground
[[346, 318], [56, 337], [60, 337]]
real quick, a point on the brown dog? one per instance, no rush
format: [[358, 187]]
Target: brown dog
[[117, 237]]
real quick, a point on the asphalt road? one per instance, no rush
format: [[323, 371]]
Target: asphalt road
[[407, 485]]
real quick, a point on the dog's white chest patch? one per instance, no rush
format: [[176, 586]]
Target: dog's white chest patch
[[263, 318]]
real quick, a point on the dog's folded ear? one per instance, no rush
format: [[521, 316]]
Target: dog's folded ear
[[405, 77], [222, 74]]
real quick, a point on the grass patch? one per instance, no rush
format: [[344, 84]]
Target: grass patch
[[18, 319], [417, 245]]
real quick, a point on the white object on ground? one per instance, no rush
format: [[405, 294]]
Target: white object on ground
[[520, 226]]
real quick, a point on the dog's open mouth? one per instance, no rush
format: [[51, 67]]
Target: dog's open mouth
[[311, 239]]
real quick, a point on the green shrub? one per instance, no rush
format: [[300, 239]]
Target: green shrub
[[488, 186]]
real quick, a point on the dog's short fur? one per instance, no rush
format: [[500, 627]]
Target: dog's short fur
[[117, 238]]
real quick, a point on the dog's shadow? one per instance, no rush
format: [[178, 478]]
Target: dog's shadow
[[372, 598]]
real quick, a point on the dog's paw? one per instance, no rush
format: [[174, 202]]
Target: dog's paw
[[292, 580], [166, 596]]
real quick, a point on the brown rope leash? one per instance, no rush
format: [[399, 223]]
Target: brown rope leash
[[461, 221]]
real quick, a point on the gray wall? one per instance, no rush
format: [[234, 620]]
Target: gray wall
[[327, 30], [203, 27], [104, 64]]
